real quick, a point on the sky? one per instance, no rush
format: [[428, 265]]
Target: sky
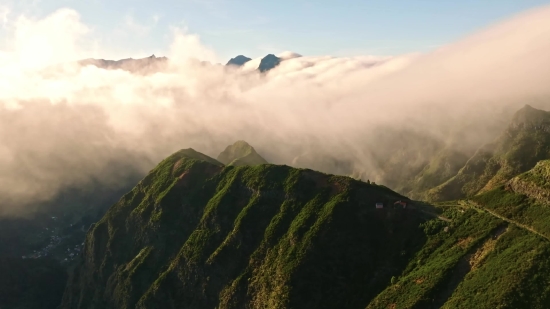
[[140, 28]]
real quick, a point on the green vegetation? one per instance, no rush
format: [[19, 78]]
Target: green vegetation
[[539, 175], [194, 232], [480, 261], [430, 271], [515, 273], [516, 207], [197, 233]]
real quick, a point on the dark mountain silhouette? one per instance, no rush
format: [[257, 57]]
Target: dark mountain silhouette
[[238, 61], [269, 62], [154, 64]]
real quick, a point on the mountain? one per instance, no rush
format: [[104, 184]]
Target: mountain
[[238, 61], [523, 200], [154, 64], [144, 65], [196, 234], [525, 142], [240, 153], [238, 232], [269, 62], [479, 259]]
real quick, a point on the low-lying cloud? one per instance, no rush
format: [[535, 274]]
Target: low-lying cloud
[[67, 125]]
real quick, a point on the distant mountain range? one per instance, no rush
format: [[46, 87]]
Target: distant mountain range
[[153, 64], [143, 65]]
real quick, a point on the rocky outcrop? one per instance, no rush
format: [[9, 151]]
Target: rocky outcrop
[[534, 183]]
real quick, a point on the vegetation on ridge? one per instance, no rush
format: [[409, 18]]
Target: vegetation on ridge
[[197, 234]]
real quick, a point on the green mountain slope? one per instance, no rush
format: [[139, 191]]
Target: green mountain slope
[[480, 261], [495, 253], [197, 234], [535, 183], [522, 200], [239, 154], [525, 142], [194, 234]]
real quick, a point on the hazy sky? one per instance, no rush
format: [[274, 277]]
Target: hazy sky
[[255, 28]]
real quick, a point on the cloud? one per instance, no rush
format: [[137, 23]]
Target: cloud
[[35, 43], [4, 13], [70, 126], [185, 46]]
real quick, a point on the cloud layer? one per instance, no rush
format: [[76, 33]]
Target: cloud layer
[[67, 125]]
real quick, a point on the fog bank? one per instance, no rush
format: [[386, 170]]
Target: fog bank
[[62, 124]]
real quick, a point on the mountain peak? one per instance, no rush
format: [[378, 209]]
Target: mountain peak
[[529, 114], [269, 62], [240, 153], [238, 61]]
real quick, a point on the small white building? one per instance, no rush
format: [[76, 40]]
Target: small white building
[[379, 205]]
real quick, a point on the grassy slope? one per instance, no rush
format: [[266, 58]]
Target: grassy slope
[[196, 234], [525, 142], [481, 262]]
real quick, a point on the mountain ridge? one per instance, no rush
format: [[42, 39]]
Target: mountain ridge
[[153, 64], [522, 144], [235, 220]]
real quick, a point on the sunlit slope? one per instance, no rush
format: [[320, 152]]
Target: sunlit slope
[[476, 261]]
